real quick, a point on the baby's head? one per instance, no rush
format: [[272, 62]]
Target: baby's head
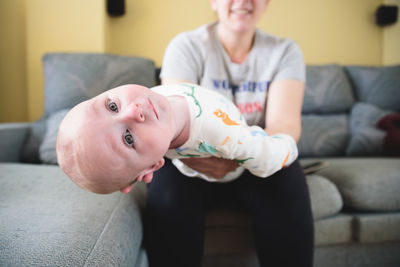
[[108, 142]]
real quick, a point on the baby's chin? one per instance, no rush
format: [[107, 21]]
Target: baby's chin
[[103, 191], [133, 87]]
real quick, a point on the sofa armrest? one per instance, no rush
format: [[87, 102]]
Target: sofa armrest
[[12, 138], [66, 225]]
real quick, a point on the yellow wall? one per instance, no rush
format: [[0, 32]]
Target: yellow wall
[[391, 40], [149, 25], [59, 26], [12, 61], [340, 31], [328, 31]]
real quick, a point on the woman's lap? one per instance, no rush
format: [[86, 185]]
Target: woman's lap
[[279, 205]]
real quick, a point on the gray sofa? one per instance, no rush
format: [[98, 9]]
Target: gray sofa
[[46, 220]]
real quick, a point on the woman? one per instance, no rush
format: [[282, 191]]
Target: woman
[[264, 76]]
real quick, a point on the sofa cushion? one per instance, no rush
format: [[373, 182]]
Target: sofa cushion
[[358, 255], [325, 197], [47, 150], [328, 90], [73, 78], [324, 135], [46, 220], [379, 86], [366, 184], [336, 229], [374, 228], [365, 137]]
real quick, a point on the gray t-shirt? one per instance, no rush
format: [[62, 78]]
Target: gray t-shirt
[[198, 56]]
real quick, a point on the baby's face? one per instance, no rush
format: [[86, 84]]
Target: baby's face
[[127, 129]]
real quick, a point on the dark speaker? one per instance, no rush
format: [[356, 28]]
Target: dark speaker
[[386, 15], [116, 8]]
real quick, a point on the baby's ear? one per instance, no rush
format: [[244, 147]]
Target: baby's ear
[[147, 175], [159, 164]]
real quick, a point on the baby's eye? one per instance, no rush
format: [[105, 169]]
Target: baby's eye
[[128, 138], [112, 106]]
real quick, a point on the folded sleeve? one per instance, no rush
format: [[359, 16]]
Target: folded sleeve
[[264, 155]]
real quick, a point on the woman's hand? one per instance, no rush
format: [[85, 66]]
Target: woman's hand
[[212, 166]]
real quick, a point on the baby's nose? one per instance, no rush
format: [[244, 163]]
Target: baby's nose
[[134, 112]]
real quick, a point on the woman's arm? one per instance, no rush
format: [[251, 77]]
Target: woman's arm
[[283, 113]]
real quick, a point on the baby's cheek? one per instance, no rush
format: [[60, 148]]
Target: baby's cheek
[[157, 144]]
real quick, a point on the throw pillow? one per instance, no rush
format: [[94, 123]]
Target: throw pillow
[[71, 78], [323, 135], [47, 150], [379, 86], [391, 125], [366, 139], [328, 90]]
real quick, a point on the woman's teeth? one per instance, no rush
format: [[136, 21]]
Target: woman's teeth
[[241, 11]]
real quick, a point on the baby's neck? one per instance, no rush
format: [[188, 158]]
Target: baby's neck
[[181, 112]]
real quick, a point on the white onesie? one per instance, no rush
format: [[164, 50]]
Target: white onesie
[[217, 128]]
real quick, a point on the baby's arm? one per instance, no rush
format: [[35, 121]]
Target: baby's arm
[[264, 155]]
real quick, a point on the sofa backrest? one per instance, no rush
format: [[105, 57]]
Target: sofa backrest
[[342, 106]]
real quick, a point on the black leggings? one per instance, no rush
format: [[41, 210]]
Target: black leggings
[[279, 205]]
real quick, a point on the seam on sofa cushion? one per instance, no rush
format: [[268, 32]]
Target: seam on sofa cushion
[[103, 231]]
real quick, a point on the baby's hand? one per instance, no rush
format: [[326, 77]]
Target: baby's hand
[[145, 178]]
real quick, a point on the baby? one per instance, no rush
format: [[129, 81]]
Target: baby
[[109, 142]]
